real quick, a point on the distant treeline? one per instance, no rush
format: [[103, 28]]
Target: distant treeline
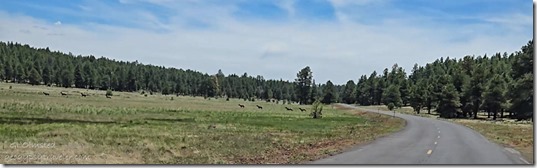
[[454, 88]]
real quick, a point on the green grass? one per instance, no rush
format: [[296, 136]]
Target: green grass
[[131, 128]]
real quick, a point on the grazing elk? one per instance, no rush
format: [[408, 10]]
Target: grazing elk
[[288, 109], [240, 105], [63, 93], [46, 94], [301, 109], [83, 95], [259, 107]]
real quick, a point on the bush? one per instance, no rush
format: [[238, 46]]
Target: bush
[[109, 93], [143, 92], [317, 108], [145, 95]]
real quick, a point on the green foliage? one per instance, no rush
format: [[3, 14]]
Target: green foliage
[[317, 110], [329, 92], [34, 77], [349, 93], [392, 96], [391, 106], [109, 93], [448, 105], [494, 98], [303, 84]]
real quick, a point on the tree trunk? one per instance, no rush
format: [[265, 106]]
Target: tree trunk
[[488, 114], [501, 113], [495, 114]]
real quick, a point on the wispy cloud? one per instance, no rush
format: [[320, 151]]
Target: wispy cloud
[[353, 38]]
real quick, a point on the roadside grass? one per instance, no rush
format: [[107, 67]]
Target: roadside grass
[[508, 132], [130, 128]]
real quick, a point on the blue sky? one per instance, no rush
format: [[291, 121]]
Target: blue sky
[[339, 39]]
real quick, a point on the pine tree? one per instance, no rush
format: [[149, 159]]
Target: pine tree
[[79, 77], [47, 75], [303, 84], [349, 92], [448, 104], [34, 77], [494, 97], [521, 91], [329, 92], [392, 96], [416, 97]]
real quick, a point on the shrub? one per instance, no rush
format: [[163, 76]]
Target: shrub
[[109, 92], [317, 108]]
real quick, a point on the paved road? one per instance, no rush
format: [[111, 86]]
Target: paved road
[[427, 141]]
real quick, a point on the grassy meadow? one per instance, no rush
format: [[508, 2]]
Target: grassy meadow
[[130, 128]]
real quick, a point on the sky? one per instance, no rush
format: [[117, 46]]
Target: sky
[[339, 39]]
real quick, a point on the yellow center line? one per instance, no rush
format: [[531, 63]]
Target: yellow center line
[[429, 152]]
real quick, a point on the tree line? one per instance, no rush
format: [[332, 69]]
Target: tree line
[[452, 87], [40, 66]]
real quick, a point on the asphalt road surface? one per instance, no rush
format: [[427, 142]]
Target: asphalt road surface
[[427, 141]]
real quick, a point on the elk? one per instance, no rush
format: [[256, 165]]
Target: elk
[[288, 109], [259, 107], [46, 94], [301, 109], [240, 105], [63, 93], [83, 95]]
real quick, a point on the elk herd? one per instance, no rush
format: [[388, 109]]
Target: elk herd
[[287, 108], [81, 94]]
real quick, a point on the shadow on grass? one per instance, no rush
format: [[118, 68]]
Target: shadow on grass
[[29, 120]]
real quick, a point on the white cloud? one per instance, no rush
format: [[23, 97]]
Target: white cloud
[[57, 23], [334, 51]]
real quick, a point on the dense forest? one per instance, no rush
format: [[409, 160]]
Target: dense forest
[[452, 87]]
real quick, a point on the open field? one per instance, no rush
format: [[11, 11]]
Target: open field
[[509, 132], [131, 128]]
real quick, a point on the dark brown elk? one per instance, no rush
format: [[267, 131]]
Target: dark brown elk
[[301, 109], [46, 94], [83, 95], [240, 105], [288, 109], [259, 107], [63, 93]]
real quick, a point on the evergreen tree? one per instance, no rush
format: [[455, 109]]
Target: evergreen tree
[[392, 96], [303, 85], [349, 92], [416, 97], [34, 77], [494, 97], [521, 91], [329, 92], [448, 105], [79, 77], [47, 75]]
